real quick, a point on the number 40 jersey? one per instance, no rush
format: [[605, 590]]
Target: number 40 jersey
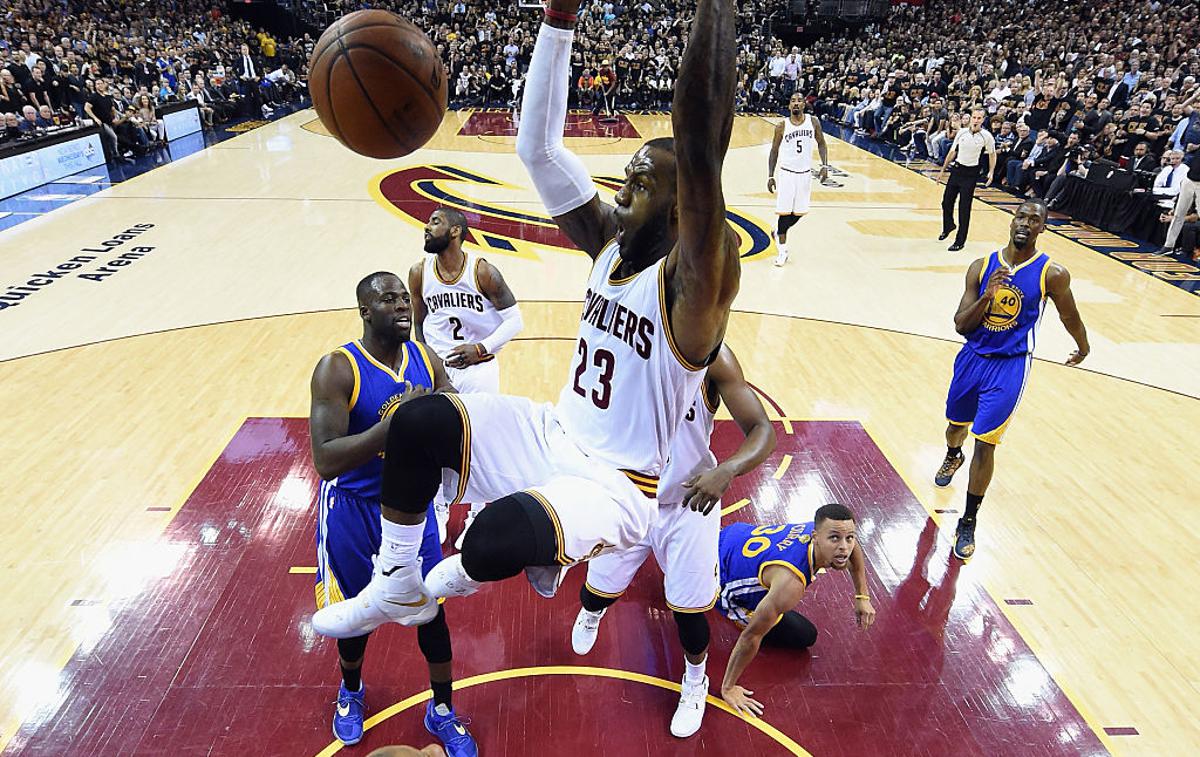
[[629, 387]]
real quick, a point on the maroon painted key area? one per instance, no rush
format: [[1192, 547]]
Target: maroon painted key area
[[499, 123], [218, 658]]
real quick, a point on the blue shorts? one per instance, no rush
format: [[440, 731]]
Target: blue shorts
[[348, 536], [985, 391]]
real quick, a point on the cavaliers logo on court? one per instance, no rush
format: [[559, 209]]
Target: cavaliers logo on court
[[504, 217], [1005, 307]]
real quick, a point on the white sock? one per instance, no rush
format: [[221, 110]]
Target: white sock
[[782, 247], [694, 673], [442, 710], [400, 543], [476, 509]]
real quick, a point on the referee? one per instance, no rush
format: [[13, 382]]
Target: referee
[[963, 161]]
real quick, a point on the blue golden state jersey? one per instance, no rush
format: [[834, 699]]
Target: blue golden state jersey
[[746, 551], [377, 390], [1009, 327]]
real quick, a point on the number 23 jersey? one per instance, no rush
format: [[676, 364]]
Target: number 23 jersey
[[629, 387]]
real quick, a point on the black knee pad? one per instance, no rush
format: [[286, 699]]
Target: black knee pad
[[425, 436], [785, 223], [793, 631], [434, 639], [510, 534], [352, 650], [693, 631]]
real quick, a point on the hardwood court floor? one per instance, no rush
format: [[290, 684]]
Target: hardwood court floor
[[121, 389]]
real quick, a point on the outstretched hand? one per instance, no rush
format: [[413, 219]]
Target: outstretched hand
[[739, 700]]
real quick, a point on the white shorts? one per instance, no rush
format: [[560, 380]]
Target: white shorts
[[513, 444], [481, 377], [792, 192], [685, 545]]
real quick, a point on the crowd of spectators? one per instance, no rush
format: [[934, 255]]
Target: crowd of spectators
[[1063, 84], [68, 62]]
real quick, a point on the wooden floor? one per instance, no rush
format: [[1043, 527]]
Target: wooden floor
[[120, 389]]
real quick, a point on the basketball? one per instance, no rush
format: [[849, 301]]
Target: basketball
[[377, 84]]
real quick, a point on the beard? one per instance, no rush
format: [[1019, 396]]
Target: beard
[[435, 245]]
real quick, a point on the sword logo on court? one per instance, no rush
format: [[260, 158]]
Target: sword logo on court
[[516, 228]]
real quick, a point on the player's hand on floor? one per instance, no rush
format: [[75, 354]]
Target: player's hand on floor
[[705, 489], [864, 613], [739, 699]]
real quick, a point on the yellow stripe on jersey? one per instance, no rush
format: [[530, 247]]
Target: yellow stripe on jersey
[[357, 378], [464, 470], [1042, 282], [560, 555], [706, 608], [598, 593], [397, 376], [428, 362], [783, 563], [666, 320]]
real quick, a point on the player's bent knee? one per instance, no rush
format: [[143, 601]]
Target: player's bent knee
[[693, 631], [434, 639], [510, 534]]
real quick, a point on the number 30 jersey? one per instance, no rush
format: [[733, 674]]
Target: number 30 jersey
[[456, 311], [629, 387]]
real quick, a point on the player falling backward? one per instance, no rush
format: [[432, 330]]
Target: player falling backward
[[464, 310], [791, 152], [683, 540], [570, 481]]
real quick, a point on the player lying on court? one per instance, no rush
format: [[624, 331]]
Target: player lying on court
[[999, 315], [765, 571], [355, 392], [684, 537], [567, 482]]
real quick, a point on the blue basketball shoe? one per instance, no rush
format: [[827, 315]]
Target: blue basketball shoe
[[348, 717], [453, 734]]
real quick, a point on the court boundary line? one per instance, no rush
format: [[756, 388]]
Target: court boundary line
[[812, 319]]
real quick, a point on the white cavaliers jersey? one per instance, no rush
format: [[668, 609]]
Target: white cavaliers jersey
[[629, 388], [799, 142], [690, 453], [456, 312]]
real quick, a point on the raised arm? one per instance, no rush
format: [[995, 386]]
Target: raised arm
[[561, 180], [703, 270]]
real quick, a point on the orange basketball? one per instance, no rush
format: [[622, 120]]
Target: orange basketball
[[377, 83]]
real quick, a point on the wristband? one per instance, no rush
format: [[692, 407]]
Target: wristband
[[479, 350], [862, 596], [560, 15]]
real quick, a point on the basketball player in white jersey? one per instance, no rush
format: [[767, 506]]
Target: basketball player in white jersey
[[684, 537], [791, 152], [570, 481], [465, 312]]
